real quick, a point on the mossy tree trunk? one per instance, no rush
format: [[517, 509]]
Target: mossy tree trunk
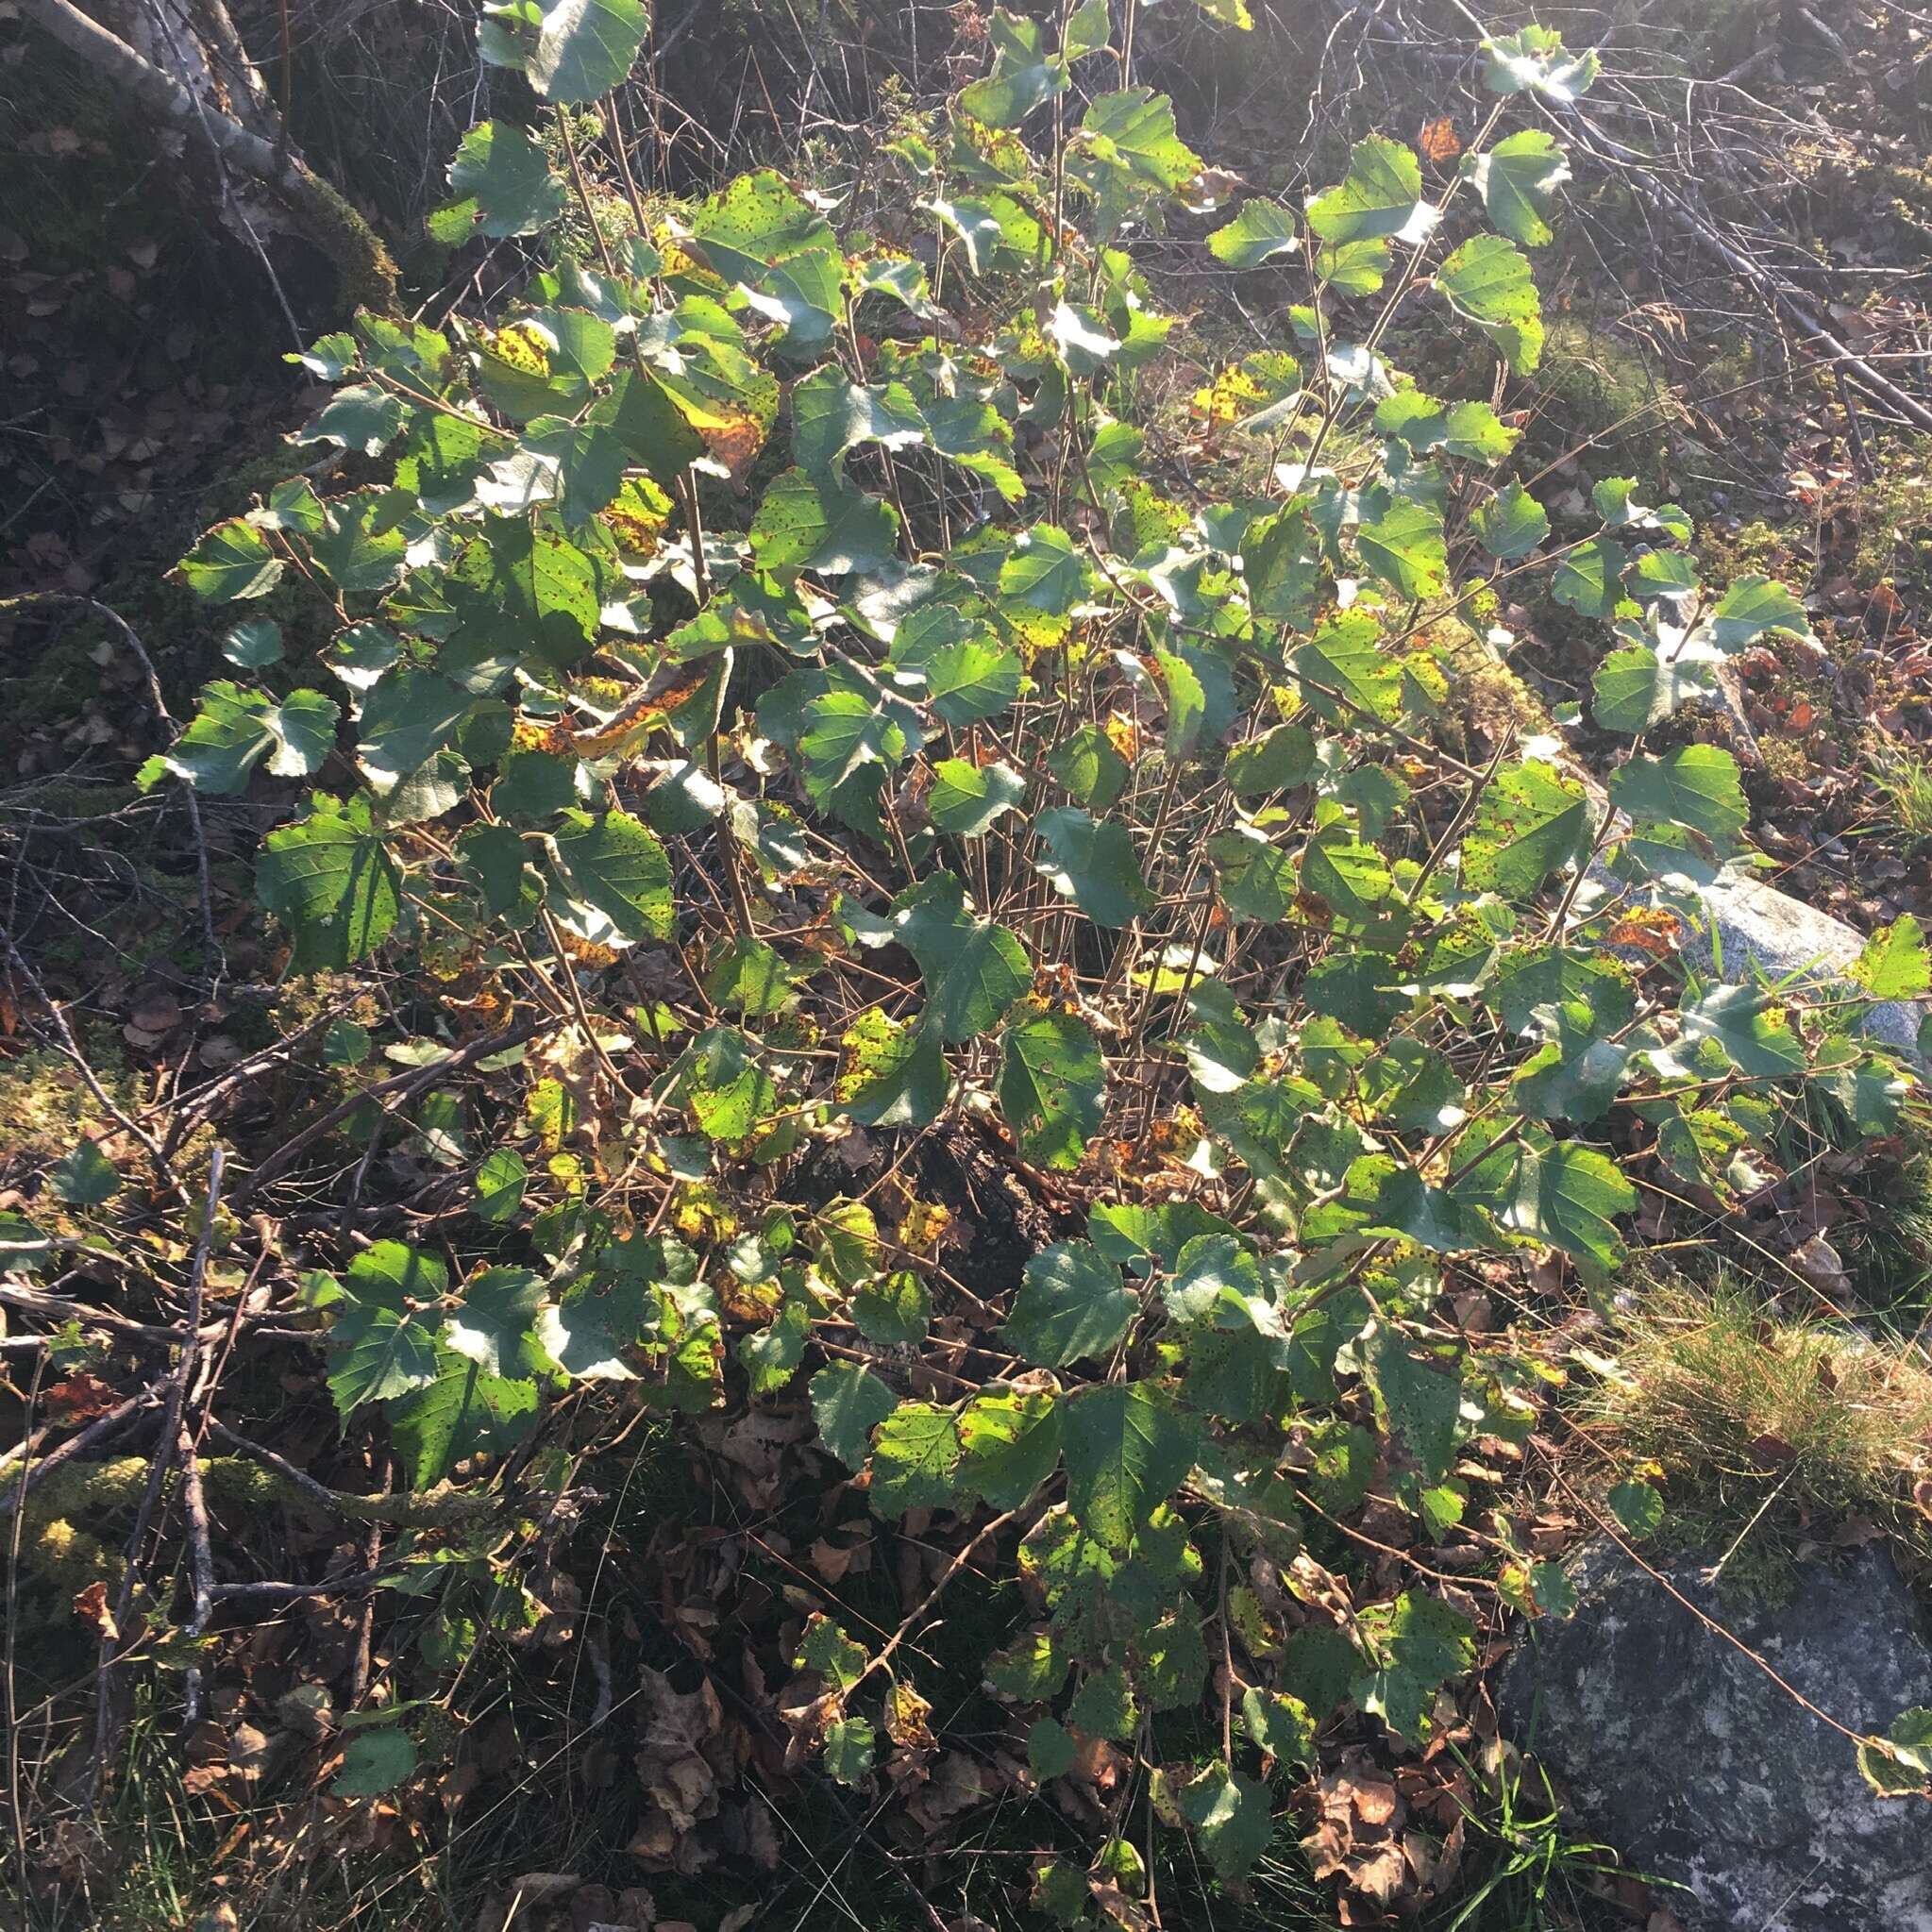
[[189, 73]]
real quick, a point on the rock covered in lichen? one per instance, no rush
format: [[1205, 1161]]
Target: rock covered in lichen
[[1683, 1754]]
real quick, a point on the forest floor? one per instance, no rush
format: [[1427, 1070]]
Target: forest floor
[[149, 396]]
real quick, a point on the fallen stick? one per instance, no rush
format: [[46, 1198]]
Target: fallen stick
[[1666, 201], [399, 1088]]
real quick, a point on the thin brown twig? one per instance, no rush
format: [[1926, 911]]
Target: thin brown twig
[[394, 1092]]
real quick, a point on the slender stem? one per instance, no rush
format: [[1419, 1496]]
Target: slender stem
[[590, 213]]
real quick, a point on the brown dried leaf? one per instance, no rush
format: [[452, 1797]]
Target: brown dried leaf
[[80, 1397], [91, 1606]]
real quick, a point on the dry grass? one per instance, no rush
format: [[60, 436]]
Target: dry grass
[[1744, 1412]]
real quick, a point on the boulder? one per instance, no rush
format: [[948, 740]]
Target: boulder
[[1683, 1755], [1751, 927], [1757, 926]]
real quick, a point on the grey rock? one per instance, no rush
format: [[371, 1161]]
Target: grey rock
[[1746, 925], [1684, 1756], [1758, 924]]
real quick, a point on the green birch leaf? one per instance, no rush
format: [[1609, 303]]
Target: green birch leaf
[[831, 414], [1417, 1405], [849, 1743], [1488, 280], [747, 976], [1470, 430], [1638, 1510], [1088, 28], [84, 1178], [1126, 1448], [1094, 864], [1215, 1276], [330, 881], [1024, 74], [360, 547], [235, 730], [1532, 822], [1742, 1025], [1232, 1815], [498, 1312], [568, 50], [829, 1654], [1696, 786], [1044, 573], [1141, 1237], [1257, 876], [1897, 1765], [1284, 571], [1280, 1725], [503, 183], [1751, 608], [406, 721], [1277, 761], [589, 460], [373, 1761], [893, 1310], [967, 801], [761, 233], [1534, 61], [729, 1093], [378, 1352], [1518, 179], [1511, 523], [1349, 877], [1188, 704], [1343, 659], [1260, 231], [971, 679], [821, 526], [1352, 268], [1666, 577], [1591, 579], [1012, 1444], [1071, 1305], [914, 1460], [612, 863], [1420, 1644], [1128, 152], [1406, 548], [1103, 1706], [230, 563], [973, 969], [1087, 766], [1030, 1671], [770, 1355], [1382, 196], [465, 1411], [359, 416], [1634, 688], [1564, 1195], [849, 1402], [591, 1327], [1050, 1749], [501, 1178], [849, 1251], [891, 1075], [847, 746], [253, 644], [1894, 963], [1052, 1086]]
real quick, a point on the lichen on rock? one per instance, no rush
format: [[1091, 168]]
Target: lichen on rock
[[1685, 1754]]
